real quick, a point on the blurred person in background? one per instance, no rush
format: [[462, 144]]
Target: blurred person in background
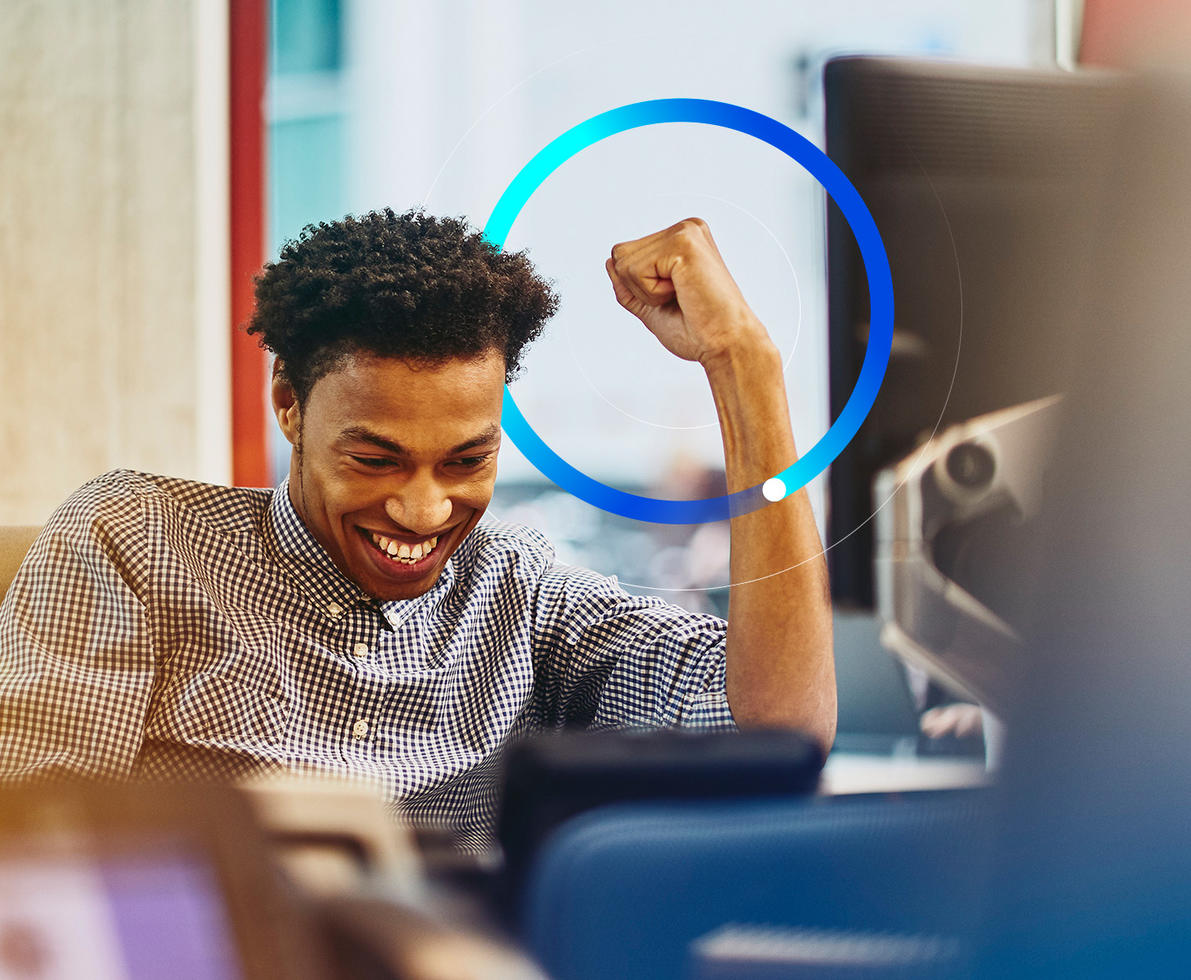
[[692, 562]]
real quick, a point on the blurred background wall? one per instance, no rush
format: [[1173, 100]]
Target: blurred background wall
[[113, 244]]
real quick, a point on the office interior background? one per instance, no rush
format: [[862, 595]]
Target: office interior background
[[403, 105], [129, 231], [153, 166], [375, 104]]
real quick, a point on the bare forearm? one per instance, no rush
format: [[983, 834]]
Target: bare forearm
[[780, 669]]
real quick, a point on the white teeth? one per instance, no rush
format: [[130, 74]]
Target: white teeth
[[403, 552]]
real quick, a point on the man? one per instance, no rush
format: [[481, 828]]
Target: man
[[361, 619]]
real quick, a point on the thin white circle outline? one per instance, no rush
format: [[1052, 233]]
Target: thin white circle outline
[[475, 122]]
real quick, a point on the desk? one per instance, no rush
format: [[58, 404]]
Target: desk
[[848, 773]]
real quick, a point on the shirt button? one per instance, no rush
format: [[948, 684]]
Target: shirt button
[[334, 610], [360, 650], [360, 729]]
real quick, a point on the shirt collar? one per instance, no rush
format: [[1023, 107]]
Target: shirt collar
[[308, 563], [304, 558]]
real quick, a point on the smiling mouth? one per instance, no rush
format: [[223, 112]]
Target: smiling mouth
[[399, 552]]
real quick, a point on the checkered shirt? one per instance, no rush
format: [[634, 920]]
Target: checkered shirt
[[161, 628]]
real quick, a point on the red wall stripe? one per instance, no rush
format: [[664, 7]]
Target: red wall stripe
[[248, 51]]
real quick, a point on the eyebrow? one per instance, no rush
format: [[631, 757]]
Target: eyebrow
[[364, 434]]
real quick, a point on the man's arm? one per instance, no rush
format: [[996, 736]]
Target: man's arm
[[607, 659], [780, 668]]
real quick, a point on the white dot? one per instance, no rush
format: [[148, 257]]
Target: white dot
[[773, 489]]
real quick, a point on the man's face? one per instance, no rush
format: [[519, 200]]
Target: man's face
[[397, 463]]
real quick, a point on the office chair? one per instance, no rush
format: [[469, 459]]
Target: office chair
[[15, 541], [625, 890]]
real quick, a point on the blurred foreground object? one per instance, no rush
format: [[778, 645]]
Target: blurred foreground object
[[332, 836], [549, 779], [114, 881], [626, 890], [1093, 877], [752, 953], [373, 899], [141, 881]]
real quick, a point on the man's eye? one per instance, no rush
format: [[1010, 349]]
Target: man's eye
[[372, 462], [469, 462]]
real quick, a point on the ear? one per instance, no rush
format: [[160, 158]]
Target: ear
[[285, 405]]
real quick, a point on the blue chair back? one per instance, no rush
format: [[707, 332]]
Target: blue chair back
[[623, 890]]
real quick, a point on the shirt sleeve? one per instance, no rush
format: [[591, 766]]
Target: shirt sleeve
[[76, 648], [608, 659]]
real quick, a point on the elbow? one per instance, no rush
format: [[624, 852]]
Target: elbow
[[816, 720], [792, 687]]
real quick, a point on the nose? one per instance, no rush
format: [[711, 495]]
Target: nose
[[421, 505]]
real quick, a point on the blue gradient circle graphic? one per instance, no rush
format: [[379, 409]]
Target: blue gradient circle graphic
[[872, 251]]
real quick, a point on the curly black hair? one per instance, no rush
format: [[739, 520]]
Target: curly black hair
[[410, 286]]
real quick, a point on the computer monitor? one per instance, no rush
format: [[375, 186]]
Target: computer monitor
[[985, 184]]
